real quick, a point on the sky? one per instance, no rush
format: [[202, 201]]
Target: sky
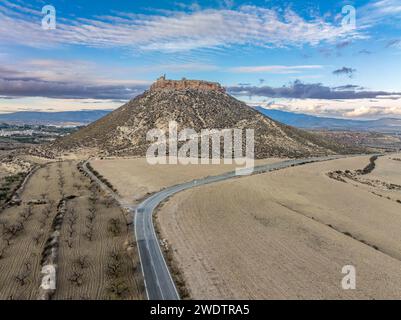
[[328, 58]]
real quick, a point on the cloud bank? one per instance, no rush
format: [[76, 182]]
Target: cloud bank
[[277, 69], [300, 90], [64, 79], [351, 109]]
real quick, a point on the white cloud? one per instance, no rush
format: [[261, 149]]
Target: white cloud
[[175, 67], [175, 31], [374, 111], [277, 69], [381, 11], [55, 105], [349, 108], [386, 6]]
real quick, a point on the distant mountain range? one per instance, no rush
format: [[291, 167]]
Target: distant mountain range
[[82, 117], [300, 120]]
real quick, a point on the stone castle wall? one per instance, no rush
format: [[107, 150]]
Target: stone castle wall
[[162, 83]]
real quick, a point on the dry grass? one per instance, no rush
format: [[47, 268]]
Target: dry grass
[[387, 169], [285, 234], [135, 178]]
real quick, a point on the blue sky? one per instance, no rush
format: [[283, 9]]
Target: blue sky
[[105, 52]]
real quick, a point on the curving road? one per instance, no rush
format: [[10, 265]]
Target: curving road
[[158, 281], [159, 284]]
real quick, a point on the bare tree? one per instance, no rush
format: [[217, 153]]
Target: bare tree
[[46, 212], [114, 226], [82, 262], [61, 181], [76, 278], [26, 213], [118, 288], [77, 186], [71, 230], [37, 238], [3, 225], [2, 252], [89, 224], [92, 214], [69, 243], [6, 239], [13, 230], [22, 278], [42, 223], [72, 217], [89, 234], [71, 222], [115, 255], [93, 198], [114, 267], [108, 201], [52, 204]]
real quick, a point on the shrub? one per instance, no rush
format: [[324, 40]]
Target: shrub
[[114, 227]]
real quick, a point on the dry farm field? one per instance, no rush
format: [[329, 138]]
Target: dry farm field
[[281, 235], [388, 169], [134, 178], [288, 234], [65, 221]]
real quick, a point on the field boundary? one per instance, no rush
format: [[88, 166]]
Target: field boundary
[[19, 189]]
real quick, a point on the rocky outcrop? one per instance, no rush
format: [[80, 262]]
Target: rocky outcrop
[[163, 84]]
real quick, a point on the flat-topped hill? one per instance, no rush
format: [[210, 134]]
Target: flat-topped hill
[[192, 104], [164, 84]]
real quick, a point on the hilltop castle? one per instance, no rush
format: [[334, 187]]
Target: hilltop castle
[[162, 83]]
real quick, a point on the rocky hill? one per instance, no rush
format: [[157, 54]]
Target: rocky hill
[[192, 104], [163, 84]]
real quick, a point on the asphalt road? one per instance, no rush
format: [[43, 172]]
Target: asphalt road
[[158, 281]]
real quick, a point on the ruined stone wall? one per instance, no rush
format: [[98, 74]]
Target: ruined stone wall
[[162, 83]]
